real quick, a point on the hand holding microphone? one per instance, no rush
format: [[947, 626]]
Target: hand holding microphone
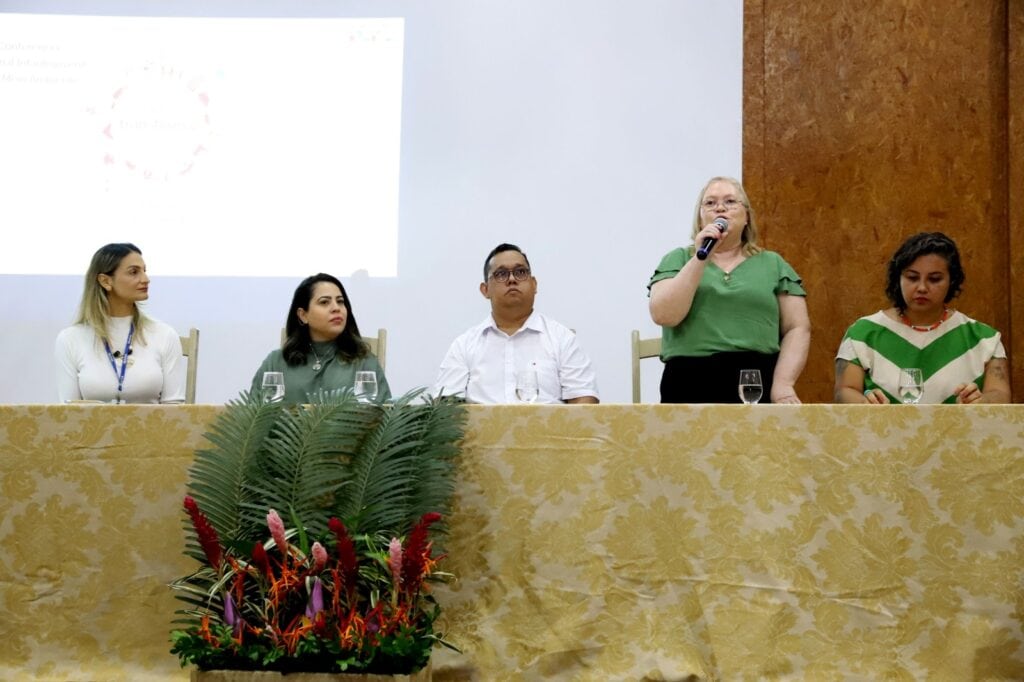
[[709, 242]]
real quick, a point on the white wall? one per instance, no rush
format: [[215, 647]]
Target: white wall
[[580, 130]]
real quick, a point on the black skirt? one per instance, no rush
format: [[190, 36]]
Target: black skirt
[[714, 378]]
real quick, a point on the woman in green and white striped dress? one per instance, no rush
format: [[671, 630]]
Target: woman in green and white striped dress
[[961, 360]]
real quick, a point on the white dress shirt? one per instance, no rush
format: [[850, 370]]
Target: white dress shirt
[[482, 363]]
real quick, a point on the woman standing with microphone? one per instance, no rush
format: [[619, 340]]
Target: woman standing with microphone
[[740, 307]]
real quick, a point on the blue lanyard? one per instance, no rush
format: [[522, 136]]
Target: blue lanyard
[[124, 360]]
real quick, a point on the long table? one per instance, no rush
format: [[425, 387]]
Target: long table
[[608, 542]]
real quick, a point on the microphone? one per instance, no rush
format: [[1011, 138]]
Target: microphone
[[722, 224]]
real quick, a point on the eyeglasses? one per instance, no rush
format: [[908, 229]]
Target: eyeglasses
[[519, 273], [727, 204]]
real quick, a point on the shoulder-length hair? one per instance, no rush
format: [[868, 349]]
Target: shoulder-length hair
[[923, 244], [94, 309], [298, 343], [749, 237]]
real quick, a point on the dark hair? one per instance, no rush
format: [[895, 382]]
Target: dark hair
[[501, 248], [298, 344], [923, 244]]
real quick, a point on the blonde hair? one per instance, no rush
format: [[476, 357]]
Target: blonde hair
[[94, 310], [749, 236]]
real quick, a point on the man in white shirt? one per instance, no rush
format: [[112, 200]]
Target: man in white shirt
[[483, 363]]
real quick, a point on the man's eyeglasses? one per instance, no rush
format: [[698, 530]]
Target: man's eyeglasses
[[727, 204], [519, 273]]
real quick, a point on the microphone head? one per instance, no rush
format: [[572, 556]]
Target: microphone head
[[722, 223]]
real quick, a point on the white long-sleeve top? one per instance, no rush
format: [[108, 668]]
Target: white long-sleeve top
[[155, 371]]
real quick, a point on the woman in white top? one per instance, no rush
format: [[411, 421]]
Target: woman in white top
[[114, 353]]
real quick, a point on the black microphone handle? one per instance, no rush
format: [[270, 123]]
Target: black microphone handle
[[709, 242], [705, 248]]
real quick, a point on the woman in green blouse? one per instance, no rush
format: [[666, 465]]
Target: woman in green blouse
[[323, 349], [741, 308]]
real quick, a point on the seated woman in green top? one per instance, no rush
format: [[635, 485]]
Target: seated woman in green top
[[323, 349], [741, 308]]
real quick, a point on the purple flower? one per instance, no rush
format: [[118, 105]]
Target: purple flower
[[316, 600], [231, 615]]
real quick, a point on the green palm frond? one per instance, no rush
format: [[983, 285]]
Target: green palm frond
[[442, 426], [377, 467], [403, 469], [219, 479], [304, 462]]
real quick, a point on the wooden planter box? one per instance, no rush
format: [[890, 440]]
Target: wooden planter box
[[263, 676]]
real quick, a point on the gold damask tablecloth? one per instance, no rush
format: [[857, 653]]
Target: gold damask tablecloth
[[612, 542]]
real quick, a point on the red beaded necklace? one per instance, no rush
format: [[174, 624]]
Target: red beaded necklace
[[945, 316]]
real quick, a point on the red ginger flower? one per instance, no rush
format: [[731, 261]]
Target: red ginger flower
[[208, 539], [416, 563], [260, 559], [346, 554]]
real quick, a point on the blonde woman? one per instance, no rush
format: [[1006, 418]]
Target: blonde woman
[[113, 352], [741, 307]]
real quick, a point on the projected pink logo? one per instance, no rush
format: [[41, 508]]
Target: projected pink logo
[[158, 124]]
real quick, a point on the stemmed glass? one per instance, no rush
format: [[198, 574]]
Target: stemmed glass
[[750, 386], [273, 387], [910, 385], [365, 386], [527, 389]]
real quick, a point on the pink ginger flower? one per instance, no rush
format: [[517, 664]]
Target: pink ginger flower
[[395, 561], [276, 526], [319, 557]]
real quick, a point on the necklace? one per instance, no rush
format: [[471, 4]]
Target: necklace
[[906, 321], [316, 365], [732, 262]]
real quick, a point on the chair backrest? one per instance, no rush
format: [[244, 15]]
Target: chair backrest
[[642, 348], [378, 344], [190, 349]]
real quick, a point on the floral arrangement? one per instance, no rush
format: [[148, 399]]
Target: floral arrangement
[[323, 595]]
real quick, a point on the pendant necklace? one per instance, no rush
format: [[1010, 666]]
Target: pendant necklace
[[905, 320], [316, 365]]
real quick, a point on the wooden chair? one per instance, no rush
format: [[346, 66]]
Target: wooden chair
[[378, 344], [190, 349], [642, 348]]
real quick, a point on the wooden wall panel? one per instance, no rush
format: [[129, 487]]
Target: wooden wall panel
[[865, 123], [1015, 191]]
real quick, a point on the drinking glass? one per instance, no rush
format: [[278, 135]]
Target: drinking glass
[[365, 386], [910, 385], [273, 387], [750, 386], [527, 389]]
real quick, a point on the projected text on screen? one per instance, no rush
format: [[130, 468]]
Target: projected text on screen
[[203, 140]]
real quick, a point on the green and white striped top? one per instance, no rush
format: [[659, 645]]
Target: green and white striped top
[[953, 353]]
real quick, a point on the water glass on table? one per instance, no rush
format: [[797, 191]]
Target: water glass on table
[[750, 386], [365, 386], [273, 387], [527, 388], [910, 388]]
